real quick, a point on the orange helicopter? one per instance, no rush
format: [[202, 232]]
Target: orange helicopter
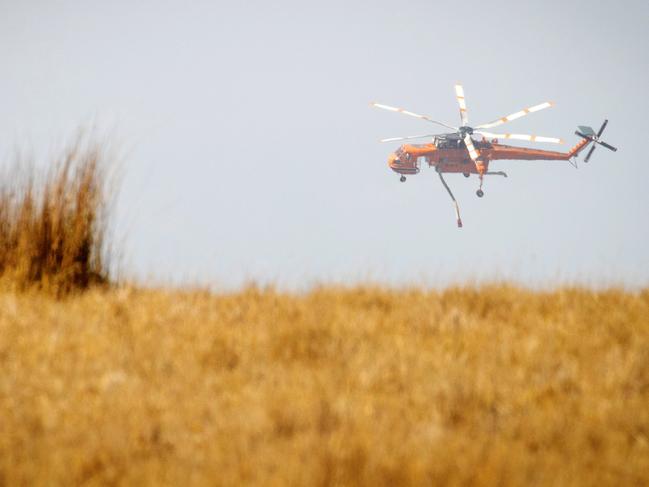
[[458, 152]]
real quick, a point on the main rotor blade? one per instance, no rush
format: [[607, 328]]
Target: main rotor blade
[[608, 146], [459, 94], [408, 137], [599, 134], [412, 114], [590, 153], [514, 116], [530, 138], [473, 153]]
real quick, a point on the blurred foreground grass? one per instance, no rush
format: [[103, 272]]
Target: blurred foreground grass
[[361, 386], [54, 220]]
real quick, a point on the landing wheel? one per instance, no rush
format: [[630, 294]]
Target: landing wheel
[[466, 174], [480, 193], [402, 179]]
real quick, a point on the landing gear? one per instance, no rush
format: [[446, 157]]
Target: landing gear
[[466, 174], [402, 179], [480, 193]]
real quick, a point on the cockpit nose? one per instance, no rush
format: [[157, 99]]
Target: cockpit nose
[[392, 159]]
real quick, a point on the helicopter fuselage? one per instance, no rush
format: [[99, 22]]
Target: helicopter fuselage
[[448, 154]]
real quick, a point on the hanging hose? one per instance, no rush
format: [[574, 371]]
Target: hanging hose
[[457, 208]]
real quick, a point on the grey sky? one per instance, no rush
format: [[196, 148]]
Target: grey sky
[[253, 154]]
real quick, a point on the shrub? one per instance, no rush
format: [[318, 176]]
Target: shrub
[[53, 222]]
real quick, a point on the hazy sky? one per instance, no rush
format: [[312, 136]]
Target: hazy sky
[[252, 152]]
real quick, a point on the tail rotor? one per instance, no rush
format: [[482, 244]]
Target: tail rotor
[[589, 134]]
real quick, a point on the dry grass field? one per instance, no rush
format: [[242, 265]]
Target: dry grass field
[[363, 386]]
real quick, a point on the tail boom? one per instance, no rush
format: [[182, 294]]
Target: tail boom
[[518, 153], [581, 145]]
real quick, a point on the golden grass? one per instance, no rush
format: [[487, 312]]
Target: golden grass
[[53, 228], [364, 386]]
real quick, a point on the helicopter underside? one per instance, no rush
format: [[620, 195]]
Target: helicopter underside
[[445, 167], [443, 160]]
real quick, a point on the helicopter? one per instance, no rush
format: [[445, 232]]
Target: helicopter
[[458, 152]]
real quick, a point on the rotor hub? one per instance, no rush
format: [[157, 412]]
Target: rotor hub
[[465, 130]]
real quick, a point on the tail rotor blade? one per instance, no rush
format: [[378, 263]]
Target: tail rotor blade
[[590, 153], [608, 146], [602, 128]]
